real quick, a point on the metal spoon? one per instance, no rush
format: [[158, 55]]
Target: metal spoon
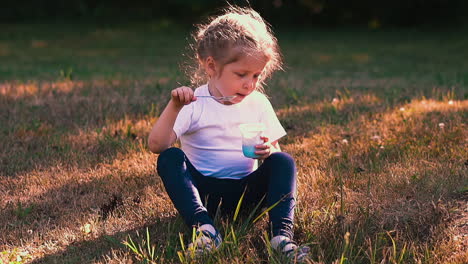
[[219, 98]]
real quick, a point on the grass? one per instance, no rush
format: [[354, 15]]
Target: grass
[[376, 121]]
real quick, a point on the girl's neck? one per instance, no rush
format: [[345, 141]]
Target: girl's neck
[[212, 89], [215, 92]]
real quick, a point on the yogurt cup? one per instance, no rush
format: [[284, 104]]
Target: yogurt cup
[[251, 136]]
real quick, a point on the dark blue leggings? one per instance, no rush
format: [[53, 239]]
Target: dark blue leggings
[[275, 179]]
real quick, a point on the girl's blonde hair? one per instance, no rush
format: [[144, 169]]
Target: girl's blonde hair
[[235, 33]]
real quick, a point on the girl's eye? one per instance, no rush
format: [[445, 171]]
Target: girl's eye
[[240, 74], [256, 76]]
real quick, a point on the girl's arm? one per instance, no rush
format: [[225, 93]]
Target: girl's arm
[[162, 135]]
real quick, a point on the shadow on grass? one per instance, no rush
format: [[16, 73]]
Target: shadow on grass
[[162, 232], [105, 203], [74, 198]]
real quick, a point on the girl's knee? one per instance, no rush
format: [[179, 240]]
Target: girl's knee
[[171, 157], [282, 164], [282, 158]]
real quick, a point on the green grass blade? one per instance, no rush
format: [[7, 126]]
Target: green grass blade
[[148, 244], [393, 245], [234, 238], [402, 254], [132, 246], [269, 208], [181, 256], [239, 205], [181, 240]]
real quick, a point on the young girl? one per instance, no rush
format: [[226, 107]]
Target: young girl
[[235, 53]]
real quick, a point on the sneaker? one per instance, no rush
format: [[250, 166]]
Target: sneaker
[[207, 239], [295, 253]]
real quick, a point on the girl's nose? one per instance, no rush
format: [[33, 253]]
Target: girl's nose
[[249, 84]]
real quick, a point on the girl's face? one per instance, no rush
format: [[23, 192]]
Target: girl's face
[[238, 78]]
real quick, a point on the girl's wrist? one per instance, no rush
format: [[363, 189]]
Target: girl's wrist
[[175, 106]]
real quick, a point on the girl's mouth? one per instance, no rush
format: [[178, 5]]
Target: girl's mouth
[[240, 96]]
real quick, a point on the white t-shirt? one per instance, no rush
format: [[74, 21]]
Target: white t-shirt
[[210, 136]]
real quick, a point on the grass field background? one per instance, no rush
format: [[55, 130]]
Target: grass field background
[[376, 121]]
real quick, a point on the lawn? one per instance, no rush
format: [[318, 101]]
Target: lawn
[[376, 120]]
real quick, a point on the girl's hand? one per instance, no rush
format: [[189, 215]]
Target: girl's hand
[[182, 96], [263, 150]]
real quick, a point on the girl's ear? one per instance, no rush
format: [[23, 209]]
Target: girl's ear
[[210, 66]]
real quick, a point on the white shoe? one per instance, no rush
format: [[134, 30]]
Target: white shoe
[[206, 240], [295, 253]]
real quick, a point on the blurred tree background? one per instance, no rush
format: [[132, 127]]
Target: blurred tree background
[[401, 13]]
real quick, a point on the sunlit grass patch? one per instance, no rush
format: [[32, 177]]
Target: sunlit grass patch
[[383, 171], [361, 58]]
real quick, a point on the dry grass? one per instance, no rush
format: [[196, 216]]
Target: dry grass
[[382, 165]]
